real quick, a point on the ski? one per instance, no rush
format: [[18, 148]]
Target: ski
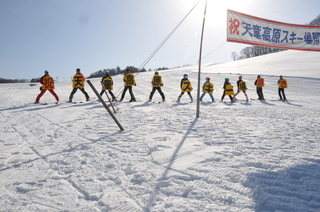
[[181, 102], [46, 103], [207, 102]]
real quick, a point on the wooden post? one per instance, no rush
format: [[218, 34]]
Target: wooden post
[[105, 105]]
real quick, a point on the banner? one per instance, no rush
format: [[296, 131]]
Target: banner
[[248, 29]]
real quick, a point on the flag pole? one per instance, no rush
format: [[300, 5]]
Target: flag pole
[[199, 69]]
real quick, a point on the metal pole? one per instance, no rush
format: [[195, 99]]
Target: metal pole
[[200, 55], [105, 105]]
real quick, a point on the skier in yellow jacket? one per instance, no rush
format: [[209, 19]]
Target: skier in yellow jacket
[[78, 83], [208, 88], [107, 82], [129, 81], [227, 90], [185, 86], [241, 87], [156, 85]]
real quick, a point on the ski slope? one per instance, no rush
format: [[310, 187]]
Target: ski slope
[[242, 156]]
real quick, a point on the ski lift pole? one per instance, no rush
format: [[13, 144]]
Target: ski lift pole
[[199, 69], [105, 91], [105, 105]]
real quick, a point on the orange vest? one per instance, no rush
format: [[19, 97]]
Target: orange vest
[[283, 83], [47, 83], [260, 82]]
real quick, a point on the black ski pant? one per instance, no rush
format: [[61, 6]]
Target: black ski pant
[[130, 91], [110, 92], [260, 94], [281, 91], [189, 93], [75, 90], [160, 92], [224, 94]]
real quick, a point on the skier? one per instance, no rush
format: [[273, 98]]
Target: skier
[[241, 87], [259, 83], [107, 85], [47, 84], [227, 90], [208, 88], [282, 85], [129, 81], [185, 86], [78, 83], [156, 85]]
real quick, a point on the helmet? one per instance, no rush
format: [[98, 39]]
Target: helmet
[[226, 79], [207, 78], [240, 77], [156, 73], [106, 73], [78, 69], [185, 75], [46, 72]]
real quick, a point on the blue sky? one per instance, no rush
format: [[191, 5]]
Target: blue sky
[[62, 35]]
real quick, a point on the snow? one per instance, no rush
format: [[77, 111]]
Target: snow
[[242, 156]]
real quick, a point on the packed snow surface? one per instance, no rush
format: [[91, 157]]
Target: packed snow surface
[[242, 156]]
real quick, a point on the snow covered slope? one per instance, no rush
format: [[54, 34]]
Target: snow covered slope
[[289, 62], [243, 156]]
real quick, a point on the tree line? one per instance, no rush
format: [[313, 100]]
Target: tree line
[[118, 70], [254, 51], [2, 80]]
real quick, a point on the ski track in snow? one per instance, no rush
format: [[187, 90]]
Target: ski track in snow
[[242, 156]]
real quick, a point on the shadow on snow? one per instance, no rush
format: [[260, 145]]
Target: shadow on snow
[[293, 189]]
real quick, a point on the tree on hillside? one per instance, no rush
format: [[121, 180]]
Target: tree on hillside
[[118, 70], [96, 74], [316, 21], [234, 56], [163, 68], [2, 80]]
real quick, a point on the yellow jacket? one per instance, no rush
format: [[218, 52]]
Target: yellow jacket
[[107, 83], [208, 87], [157, 81], [78, 81], [186, 85], [129, 80]]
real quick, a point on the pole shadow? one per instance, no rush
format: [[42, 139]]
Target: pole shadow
[[153, 196]]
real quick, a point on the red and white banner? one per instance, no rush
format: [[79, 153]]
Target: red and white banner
[[248, 29]]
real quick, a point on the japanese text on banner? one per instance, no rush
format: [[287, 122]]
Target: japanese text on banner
[[243, 28]]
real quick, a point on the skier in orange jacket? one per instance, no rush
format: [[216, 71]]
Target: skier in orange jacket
[[47, 85]]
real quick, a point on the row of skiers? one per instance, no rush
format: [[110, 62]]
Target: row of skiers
[[208, 88], [78, 82]]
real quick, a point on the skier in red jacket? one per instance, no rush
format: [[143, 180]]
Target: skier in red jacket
[[47, 84]]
